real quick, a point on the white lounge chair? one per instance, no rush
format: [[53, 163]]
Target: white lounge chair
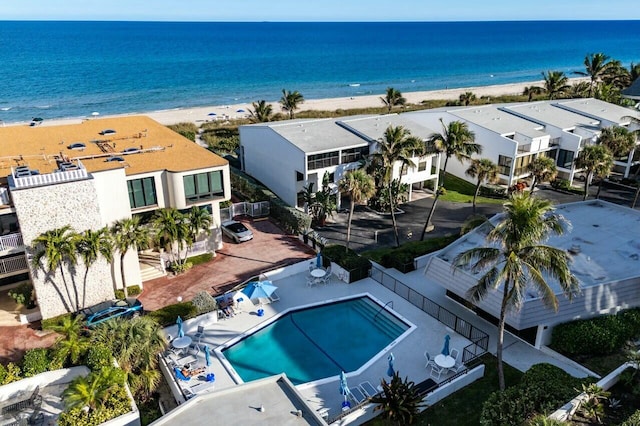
[[368, 389], [274, 297], [356, 395], [199, 334]]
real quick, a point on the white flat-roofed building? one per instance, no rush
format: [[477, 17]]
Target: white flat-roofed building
[[287, 156], [509, 141], [604, 246]]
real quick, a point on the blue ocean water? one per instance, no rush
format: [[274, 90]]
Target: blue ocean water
[[70, 69]]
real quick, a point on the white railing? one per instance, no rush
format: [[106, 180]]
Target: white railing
[[50, 178], [198, 248], [14, 264], [11, 241], [5, 200]]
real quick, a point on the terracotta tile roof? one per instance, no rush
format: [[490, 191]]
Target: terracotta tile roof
[[159, 148]]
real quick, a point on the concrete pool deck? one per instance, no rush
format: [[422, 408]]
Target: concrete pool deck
[[293, 292]]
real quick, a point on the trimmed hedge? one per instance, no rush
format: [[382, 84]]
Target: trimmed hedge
[[633, 420], [357, 266], [98, 356], [542, 389], [54, 321], [168, 315], [601, 335], [201, 258], [35, 361], [401, 258], [132, 290]]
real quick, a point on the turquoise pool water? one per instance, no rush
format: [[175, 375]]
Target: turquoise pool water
[[316, 342]]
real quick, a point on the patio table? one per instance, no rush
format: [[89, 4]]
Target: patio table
[[181, 342], [318, 273], [444, 361]]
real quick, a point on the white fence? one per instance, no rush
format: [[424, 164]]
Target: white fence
[[13, 264], [259, 209], [11, 241]]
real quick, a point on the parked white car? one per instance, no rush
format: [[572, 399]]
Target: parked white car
[[236, 231]]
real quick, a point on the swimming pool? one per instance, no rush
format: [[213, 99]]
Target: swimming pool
[[316, 342]]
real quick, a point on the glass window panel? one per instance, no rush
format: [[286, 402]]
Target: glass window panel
[[202, 183], [138, 193], [150, 191], [130, 187], [216, 181], [189, 186]]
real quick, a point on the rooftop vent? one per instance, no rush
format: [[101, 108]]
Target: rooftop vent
[[131, 150], [108, 132], [77, 145], [115, 158]]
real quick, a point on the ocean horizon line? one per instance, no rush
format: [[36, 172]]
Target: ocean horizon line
[[318, 22]]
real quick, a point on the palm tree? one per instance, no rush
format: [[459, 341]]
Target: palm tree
[[483, 169], [466, 98], [456, 140], [619, 140], [261, 112], [172, 232], [199, 221], [516, 258], [90, 245], [57, 246], [596, 66], [542, 169], [71, 345], [580, 89], [530, 91], [555, 83], [595, 160], [392, 98], [396, 145], [399, 400], [128, 234], [360, 186], [290, 101], [94, 390]]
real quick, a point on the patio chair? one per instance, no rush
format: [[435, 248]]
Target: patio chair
[[454, 354], [311, 281], [458, 368], [274, 297], [194, 349], [436, 372], [356, 395], [199, 334], [368, 389], [430, 361]]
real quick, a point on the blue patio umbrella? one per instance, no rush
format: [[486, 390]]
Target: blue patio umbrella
[[445, 350], [240, 110], [390, 371], [344, 388], [319, 260], [180, 330], [212, 113], [259, 289]]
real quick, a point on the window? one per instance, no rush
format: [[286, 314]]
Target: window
[[142, 192], [300, 199], [565, 158], [203, 186], [522, 163], [422, 166], [299, 176], [504, 164], [320, 161], [354, 155]]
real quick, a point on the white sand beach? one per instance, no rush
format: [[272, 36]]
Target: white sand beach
[[199, 115]]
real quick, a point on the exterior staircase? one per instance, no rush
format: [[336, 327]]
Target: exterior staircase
[[150, 266]]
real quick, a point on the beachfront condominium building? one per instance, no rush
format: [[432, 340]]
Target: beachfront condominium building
[[89, 175], [513, 135], [288, 156], [603, 243]]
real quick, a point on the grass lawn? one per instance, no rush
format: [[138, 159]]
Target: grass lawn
[[464, 407], [461, 191], [415, 248]]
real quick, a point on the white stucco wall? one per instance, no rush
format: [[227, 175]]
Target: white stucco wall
[[113, 196], [175, 187], [41, 209], [273, 160]]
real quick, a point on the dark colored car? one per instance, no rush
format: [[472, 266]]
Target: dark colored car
[[127, 308], [236, 231]]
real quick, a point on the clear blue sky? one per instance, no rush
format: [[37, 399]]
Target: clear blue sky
[[318, 10]]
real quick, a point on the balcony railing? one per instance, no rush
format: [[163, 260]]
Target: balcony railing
[[11, 241], [5, 199], [78, 172], [13, 265]]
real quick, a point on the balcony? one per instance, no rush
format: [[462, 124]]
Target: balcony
[[23, 177], [5, 198], [11, 243], [13, 265]]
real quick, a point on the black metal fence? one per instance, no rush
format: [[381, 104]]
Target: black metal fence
[[479, 339]]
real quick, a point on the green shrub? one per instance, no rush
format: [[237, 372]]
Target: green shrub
[[22, 295], [98, 356], [633, 420], [55, 321], [631, 317], [35, 361], [602, 335], [10, 373], [542, 389], [357, 266], [168, 315], [204, 303], [132, 290], [188, 130], [116, 405], [402, 257], [201, 258]]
